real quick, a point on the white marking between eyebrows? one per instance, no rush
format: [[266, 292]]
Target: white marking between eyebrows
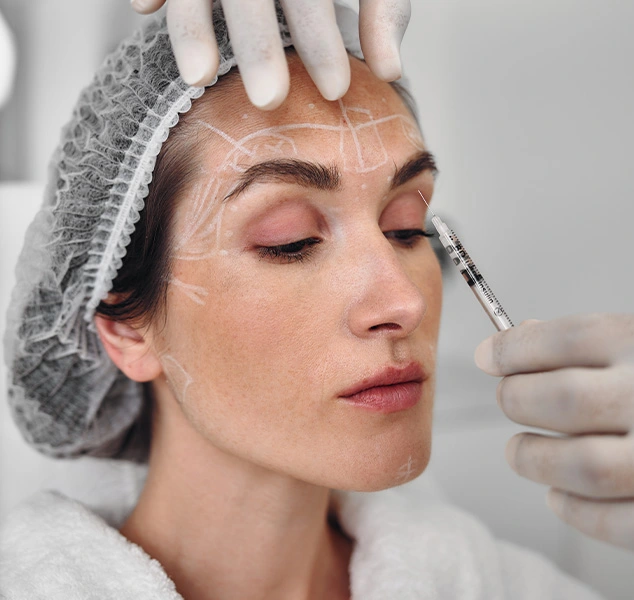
[[353, 132]]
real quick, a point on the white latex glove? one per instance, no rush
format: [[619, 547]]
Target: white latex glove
[[258, 49], [574, 376]]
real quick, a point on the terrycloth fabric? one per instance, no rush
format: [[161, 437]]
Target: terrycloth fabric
[[406, 548]]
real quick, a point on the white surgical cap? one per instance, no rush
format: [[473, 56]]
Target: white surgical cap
[[66, 396]]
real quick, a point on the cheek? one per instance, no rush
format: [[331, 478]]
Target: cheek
[[256, 333]]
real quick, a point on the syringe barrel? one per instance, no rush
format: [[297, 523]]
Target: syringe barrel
[[476, 282]]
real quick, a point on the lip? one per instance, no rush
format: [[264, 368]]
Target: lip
[[391, 389]]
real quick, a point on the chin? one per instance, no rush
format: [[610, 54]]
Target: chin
[[388, 468]]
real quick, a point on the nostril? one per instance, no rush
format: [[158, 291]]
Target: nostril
[[386, 325]]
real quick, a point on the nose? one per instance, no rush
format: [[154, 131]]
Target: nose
[[383, 300]]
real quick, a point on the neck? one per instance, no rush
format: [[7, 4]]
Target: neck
[[222, 527]]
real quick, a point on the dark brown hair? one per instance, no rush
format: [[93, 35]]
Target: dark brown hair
[[142, 281]]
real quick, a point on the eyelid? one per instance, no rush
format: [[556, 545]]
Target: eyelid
[[308, 246], [304, 253]]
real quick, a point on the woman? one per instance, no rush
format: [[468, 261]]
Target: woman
[[252, 279]]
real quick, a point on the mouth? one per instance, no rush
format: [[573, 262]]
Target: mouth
[[390, 390]]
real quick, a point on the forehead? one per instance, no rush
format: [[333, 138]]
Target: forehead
[[359, 132]]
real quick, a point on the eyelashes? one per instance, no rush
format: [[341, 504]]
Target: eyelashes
[[294, 252], [303, 249]]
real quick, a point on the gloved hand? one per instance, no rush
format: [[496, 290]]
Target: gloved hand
[[255, 39], [575, 376]]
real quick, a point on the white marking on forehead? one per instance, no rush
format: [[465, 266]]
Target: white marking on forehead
[[364, 186], [360, 143], [245, 116], [229, 233], [347, 126], [225, 136], [311, 105]]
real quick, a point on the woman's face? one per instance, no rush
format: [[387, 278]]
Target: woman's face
[[258, 347]]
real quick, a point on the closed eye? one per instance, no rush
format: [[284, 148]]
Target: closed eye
[[409, 237], [303, 249]]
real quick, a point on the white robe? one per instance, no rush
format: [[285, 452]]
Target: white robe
[[409, 545]]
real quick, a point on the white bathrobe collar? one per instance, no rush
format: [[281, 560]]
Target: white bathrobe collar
[[408, 546]]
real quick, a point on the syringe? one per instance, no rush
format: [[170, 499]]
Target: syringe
[[470, 272]]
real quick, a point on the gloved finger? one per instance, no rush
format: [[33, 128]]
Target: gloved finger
[[382, 24], [573, 401], [592, 340], [594, 466], [257, 46], [610, 521], [145, 7], [191, 32], [318, 42]]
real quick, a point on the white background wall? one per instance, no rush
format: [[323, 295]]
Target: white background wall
[[528, 107]]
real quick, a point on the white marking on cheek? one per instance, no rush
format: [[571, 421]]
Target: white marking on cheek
[[193, 292], [228, 233], [311, 105], [224, 252], [245, 116], [178, 378], [364, 186], [383, 100], [233, 207], [389, 178]]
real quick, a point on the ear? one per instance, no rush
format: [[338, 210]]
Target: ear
[[129, 349]]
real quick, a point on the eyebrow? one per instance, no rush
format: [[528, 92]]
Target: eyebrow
[[322, 177], [419, 163]]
